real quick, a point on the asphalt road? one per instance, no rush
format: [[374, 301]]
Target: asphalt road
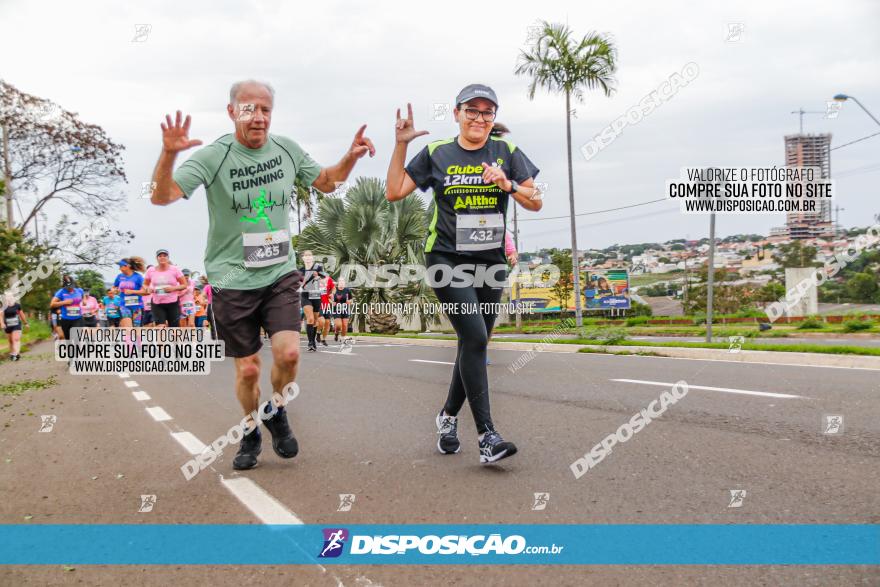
[[365, 423]]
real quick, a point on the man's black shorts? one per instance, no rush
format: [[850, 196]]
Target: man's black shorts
[[239, 313], [169, 312]]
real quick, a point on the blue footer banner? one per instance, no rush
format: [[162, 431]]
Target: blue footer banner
[[427, 544]]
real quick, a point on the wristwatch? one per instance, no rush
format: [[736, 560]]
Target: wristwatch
[[513, 187]]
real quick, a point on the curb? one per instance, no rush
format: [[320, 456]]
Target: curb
[[766, 357]]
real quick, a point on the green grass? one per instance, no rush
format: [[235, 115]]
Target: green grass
[[19, 387], [36, 332]]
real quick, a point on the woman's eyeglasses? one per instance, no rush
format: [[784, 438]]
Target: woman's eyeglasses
[[473, 114]]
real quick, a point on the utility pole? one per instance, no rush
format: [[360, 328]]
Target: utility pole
[[7, 177], [711, 280], [516, 282], [837, 228]]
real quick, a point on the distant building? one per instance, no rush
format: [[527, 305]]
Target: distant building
[[808, 150]]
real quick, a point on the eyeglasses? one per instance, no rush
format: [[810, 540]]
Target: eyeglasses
[[473, 114]]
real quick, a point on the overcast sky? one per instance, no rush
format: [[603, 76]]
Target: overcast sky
[[336, 65]]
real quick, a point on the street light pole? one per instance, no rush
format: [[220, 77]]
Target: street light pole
[[844, 98], [711, 277]]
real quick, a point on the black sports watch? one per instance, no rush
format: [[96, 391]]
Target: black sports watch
[[513, 187]]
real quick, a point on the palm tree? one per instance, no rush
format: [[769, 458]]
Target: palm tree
[[559, 63], [365, 229], [304, 198]]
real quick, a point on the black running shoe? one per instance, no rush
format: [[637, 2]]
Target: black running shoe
[[336, 336], [324, 342], [248, 451], [493, 448], [312, 348], [283, 442], [447, 428]]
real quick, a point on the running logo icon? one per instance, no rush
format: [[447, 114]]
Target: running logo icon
[[541, 500], [737, 496], [833, 424], [347, 345], [334, 541], [346, 500], [141, 32], [736, 343], [147, 503], [47, 423]]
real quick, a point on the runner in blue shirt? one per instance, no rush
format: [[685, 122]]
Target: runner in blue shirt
[[68, 298], [130, 284]]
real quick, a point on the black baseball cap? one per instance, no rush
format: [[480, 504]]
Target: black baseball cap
[[186, 272], [474, 91], [68, 281]]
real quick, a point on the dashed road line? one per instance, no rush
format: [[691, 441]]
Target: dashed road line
[[189, 441], [158, 414], [265, 507], [141, 396], [427, 361], [131, 383]]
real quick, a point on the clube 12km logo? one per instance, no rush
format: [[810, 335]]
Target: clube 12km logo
[[336, 538]]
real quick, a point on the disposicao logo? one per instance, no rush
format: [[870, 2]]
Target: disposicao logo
[[334, 540]]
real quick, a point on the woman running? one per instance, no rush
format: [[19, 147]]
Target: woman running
[[187, 302], [310, 297], [164, 281], [130, 284], [201, 307], [89, 307], [326, 317], [341, 308], [11, 321], [112, 304], [472, 176], [68, 299]]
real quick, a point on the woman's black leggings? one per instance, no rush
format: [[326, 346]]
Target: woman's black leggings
[[469, 377]]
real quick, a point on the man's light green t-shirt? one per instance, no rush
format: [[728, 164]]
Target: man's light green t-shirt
[[249, 193]]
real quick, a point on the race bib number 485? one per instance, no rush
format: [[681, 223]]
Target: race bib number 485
[[262, 249]]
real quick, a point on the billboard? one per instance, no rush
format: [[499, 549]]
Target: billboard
[[606, 290]]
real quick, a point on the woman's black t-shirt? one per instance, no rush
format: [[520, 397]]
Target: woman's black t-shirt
[[11, 317], [454, 174]]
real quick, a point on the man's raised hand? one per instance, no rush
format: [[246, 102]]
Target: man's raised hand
[[175, 136]]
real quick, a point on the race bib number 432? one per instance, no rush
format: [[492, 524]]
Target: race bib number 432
[[478, 232]]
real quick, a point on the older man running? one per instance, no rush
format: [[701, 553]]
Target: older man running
[[249, 176]]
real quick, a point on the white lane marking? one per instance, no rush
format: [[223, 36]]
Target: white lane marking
[[730, 361], [427, 361], [189, 441], [123, 375], [140, 396], [158, 414], [721, 389], [265, 507], [131, 383]]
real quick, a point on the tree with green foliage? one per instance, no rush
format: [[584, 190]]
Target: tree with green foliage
[[365, 229], [558, 62], [796, 254], [565, 284]]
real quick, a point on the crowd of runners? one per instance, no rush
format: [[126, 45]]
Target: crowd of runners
[[163, 295]]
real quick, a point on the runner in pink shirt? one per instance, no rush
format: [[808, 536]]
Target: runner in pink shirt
[[187, 302], [164, 281], [89, 308]]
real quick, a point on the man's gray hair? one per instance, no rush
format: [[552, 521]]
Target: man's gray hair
[[237, 86]]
